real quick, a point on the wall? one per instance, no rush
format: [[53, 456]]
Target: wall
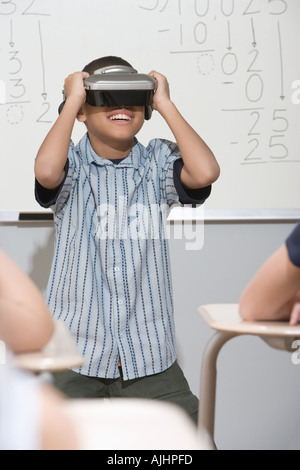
[[258, 387]]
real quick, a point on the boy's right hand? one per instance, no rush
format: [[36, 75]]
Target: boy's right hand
[[74, 87], [53, 153]]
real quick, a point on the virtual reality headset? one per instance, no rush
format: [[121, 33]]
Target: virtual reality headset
[[120, 86]]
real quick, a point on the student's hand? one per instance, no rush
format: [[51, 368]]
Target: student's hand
[[295, 315], [74, 87], [162, 93]]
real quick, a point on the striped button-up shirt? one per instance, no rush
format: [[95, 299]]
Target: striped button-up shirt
[[110, 279]]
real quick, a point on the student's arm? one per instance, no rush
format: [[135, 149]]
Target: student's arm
[[274, 292], [200, 167], [25, 321], [52, 155]]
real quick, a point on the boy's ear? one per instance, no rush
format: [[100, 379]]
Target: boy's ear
[[81, 117]]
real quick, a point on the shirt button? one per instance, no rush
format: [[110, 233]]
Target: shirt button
[[120, 302], [117, 268]]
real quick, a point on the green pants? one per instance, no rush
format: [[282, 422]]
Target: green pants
[[170, 385]]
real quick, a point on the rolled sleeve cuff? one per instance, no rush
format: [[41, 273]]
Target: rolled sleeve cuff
[[293, 246], [48, 197], [187, 195]]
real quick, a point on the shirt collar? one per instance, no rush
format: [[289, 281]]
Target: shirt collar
[[89, 156]]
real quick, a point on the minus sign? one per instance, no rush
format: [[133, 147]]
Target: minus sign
[[192, 52], [228, 83], [15, 102], [233, 143]]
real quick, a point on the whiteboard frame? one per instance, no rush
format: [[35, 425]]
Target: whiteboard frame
[[210, 215]]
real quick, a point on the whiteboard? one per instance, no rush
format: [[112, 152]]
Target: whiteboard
[[234, 73]]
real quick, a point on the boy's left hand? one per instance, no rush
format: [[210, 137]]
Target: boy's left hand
[[162, 93], [200, 168]]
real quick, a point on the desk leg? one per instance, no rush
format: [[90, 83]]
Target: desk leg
[[208, 381]]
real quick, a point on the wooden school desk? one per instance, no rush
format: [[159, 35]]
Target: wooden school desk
[[58, 355], [226, 321]]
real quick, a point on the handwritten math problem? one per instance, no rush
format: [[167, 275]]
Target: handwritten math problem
[[233, 68], [14, 92], [250, 74]]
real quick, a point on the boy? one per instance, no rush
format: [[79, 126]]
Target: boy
[[110, 278]]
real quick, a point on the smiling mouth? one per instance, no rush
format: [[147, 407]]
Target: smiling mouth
[[120, 117]]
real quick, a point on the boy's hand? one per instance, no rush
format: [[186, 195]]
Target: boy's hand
[[74, 87], [162, 93]]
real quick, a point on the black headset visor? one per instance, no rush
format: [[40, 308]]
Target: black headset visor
[[118, 86], [112, 98]]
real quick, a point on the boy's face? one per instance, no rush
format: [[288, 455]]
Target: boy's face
[[116, 124]]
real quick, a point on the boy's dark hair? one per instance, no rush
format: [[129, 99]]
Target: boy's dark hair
[[104, 62]]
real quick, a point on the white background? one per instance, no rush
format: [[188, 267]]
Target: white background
[[230, 63]]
